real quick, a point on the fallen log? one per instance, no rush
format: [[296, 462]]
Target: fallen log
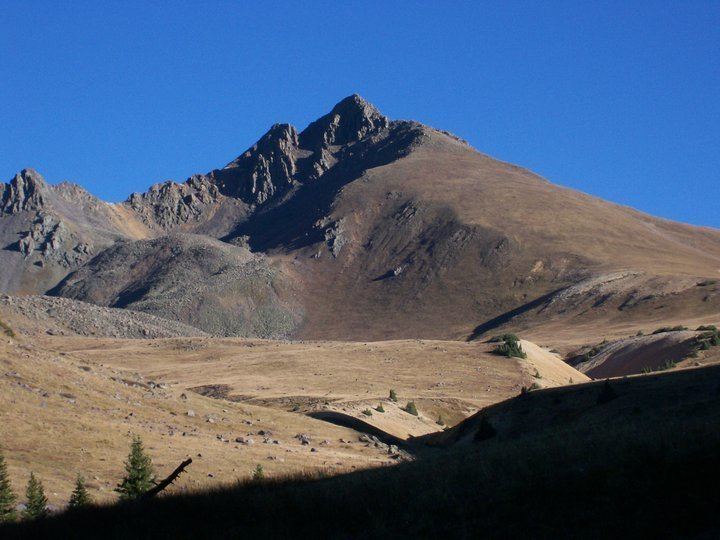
[[169, 480]]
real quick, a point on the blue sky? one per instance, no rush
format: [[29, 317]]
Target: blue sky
[[617, 99]]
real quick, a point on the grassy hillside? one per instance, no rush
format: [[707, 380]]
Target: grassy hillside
[[650, 472]]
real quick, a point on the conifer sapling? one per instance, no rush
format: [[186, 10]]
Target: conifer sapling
[[80, 496], [139, 477], [7, 497], [36, 506]]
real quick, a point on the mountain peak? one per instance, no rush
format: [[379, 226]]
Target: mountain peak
[[352, 119], [355, 104]]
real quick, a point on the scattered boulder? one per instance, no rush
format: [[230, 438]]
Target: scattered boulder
[[303, 438]]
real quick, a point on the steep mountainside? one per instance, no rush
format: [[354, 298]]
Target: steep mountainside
[[215, 286], [386, 229], [47, 231]]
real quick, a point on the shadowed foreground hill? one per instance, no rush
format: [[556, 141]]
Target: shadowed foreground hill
[[623, 462]]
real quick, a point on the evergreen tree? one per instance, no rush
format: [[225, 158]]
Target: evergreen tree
[[80, 496], [36, 506], [411, 408], [258, 474], [140, 476], [7, 497]]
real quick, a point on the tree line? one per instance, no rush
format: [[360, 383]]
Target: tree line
[[139, 479]]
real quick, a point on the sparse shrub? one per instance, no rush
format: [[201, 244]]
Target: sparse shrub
[[503, 337], [710, 337], [410, 408], [510, 347], [80, 496], [537, 374], [707, 283], [526, 389], [640, 333], [7, 497], [393, 396], [36, 506], [593, 351], [380, 408], [367, 412], [440, 421], [707, 328], [6, 329], [139, 476], [669, 364], [258, 474], [678, 328]]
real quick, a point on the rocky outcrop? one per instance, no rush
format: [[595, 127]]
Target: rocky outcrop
[[266, 170], [349, 121], [283, 159], [25, 192], [51, 239], [169, 204]]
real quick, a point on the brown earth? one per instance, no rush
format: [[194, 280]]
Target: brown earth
[[380, 230], [70, 404]]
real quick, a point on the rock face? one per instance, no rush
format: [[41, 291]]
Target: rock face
[[357, 227], [169, 204], [283, 159], [23, 193], [350, 120], [47, 231], [266, 170]]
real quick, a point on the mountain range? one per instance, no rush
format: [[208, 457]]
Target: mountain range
[[359, 228]]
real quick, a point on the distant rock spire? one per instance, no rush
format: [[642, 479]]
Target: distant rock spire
[[26, 191], [350, 120]]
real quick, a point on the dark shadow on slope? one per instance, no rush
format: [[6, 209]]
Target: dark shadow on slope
[[386, 275], [345, 420], [509, 315], [613, 471]]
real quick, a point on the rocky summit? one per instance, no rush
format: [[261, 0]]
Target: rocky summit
[[357, 227]]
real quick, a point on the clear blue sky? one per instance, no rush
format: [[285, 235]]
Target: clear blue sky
[[617, 99]]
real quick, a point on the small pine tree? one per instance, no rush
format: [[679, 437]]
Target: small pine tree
[[7, 497], [410, 408], [380, 408], [510, 347], [258, 474], [140, 476], [36, 506], [367, 412], [80, 496], [393, 396]]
